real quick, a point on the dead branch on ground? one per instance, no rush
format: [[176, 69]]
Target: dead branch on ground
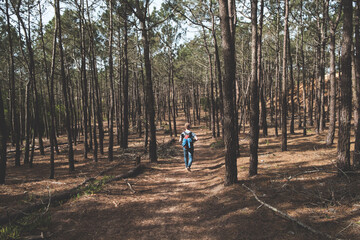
[[286, 216]]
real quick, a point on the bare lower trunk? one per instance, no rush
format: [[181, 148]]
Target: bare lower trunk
[[254, 98], [284, 85], [227, 20], [343, 148]]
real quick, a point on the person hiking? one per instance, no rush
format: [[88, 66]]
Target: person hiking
[[187, 138]]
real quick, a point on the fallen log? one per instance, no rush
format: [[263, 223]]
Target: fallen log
[[288, 217]]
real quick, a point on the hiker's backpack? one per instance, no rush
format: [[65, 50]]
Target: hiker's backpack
[[187, 141]]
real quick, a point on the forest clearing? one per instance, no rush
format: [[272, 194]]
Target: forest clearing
[[101, 101]]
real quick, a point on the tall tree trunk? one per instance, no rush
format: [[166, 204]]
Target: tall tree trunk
[[343, 148], [292, 102], [254, 97], [303, 70], [150, 97], [169, 92], [357, 79], [331, 132], [111, 71], [173, 99], [284, 83], [50, 83], [260, 74], [212, 100], [65, 91], [125, 135], [227, 20], [31, 84], [3, 138], [277, 81], [84, 82], [218, 67], [97, 98], [13, 99]]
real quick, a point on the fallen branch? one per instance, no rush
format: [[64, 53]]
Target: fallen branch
[[130, 187], [286, 216], [302, 173]]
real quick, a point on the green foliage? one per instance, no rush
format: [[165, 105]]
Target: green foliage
[[166, 128], [35, 221], [218, 144], [60, 109], [9, 232], [205, 104], [93, 187]]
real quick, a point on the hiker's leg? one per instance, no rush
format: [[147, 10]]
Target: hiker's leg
[[186, 155], [191, 156]]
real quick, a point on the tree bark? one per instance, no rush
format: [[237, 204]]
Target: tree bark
[[15, 115], [260, 73], [303, 72], [125, 135], [227, 21], [343, 148], [65, 91], [356, 159], [111, 72], [3, 138], [84, 82], [98, 100], [284, 83], [254, 97], [292, 102], [332, 112]]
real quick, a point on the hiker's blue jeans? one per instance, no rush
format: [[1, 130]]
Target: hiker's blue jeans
[[188, 156]]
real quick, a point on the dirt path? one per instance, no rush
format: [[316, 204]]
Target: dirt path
[[171, 203]]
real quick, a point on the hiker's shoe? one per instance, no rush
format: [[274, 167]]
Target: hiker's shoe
[[188, 168]]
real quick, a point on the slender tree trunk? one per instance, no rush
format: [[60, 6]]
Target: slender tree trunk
[[356, 159], [284, 83], [303, 71], [96, 146], [254, 97], [212, 100], [277, 81], [111, 71], [65, 91], [219, 74], [169, 95], [173, 99], [331, 132], [84, 82], [150, 102], [125, 135], [292, 121], [260, 73], [343, 148], [13, 99], [31, 84], [53, 141], [3, 138], [227, 20]]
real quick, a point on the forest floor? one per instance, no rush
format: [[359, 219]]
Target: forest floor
[[166, 201]]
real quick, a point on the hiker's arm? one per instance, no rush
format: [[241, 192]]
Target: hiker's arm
[[195, 137], [180, 139]]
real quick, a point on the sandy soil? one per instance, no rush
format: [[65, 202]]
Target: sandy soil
[[172, 203]]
